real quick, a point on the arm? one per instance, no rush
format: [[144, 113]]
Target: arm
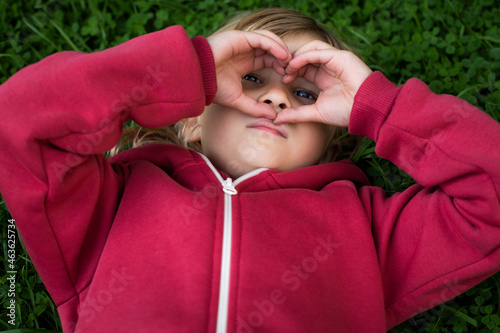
[[64, 111], [60, 114], [442, 236]]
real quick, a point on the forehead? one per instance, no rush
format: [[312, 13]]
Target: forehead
[[296, 41]]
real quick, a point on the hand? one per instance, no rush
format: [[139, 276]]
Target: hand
[[237, 53], [338, 74]]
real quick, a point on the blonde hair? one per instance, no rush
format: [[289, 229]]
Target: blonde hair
[[283, 22]]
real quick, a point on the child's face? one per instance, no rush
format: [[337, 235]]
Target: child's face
[[238, 143]]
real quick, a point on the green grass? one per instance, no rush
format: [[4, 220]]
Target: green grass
[[454, 46]]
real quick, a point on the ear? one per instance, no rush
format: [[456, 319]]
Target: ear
[[192, 129]]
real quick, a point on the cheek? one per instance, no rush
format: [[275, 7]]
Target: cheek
[[219, 125], [313, 139], [213, 121], [319, 134]]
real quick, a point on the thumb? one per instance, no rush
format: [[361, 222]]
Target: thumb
[[254, 108], [301, 114]]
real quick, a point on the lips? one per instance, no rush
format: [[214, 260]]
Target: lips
[[268, 126]]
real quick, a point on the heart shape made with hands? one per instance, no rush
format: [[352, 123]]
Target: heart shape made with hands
[[338, 73]]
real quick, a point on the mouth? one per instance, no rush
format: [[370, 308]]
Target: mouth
[[267, 126]]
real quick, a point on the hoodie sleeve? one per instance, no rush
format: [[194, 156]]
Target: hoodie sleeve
[[60, 114], [442, 236]]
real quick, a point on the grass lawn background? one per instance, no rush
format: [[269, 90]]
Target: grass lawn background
[[453, 46]]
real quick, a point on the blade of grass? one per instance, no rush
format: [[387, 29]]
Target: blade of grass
[[100, 18], [32, 296], [64, 35], [363, 150], [488, 38], [414, 15], [7, 55], [374, 163], [467, 26], [35, 30], [4, 324], [460, 315]]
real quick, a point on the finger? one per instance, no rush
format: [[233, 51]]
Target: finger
[[253, 108], [292, 75], [269, 42], [269, 61], [342, 66], [313, 45], [312, 57], [312, 72], [301, 114], [277, 40], [313, 53], [287, 78]]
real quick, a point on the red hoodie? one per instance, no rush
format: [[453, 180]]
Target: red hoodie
[[158, 240]]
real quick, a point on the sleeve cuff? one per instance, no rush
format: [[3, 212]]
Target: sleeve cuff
[[207, 67], [372, 105]]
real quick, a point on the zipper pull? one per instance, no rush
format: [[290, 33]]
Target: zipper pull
[[228, 187]]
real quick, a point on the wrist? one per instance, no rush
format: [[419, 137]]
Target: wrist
[[372, 104], [207, 64]]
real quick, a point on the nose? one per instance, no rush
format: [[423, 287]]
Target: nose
[[281, 106], [276, 97]]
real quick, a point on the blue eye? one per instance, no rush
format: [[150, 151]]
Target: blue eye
[[251, 78], [305, 94]]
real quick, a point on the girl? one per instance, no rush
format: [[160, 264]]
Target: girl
[[253, 233]]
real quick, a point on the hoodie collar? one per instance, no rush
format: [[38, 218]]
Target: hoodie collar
[[195, 171], [313, 178]]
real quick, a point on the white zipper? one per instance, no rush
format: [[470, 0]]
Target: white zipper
[[228, 186], [225, 269]]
